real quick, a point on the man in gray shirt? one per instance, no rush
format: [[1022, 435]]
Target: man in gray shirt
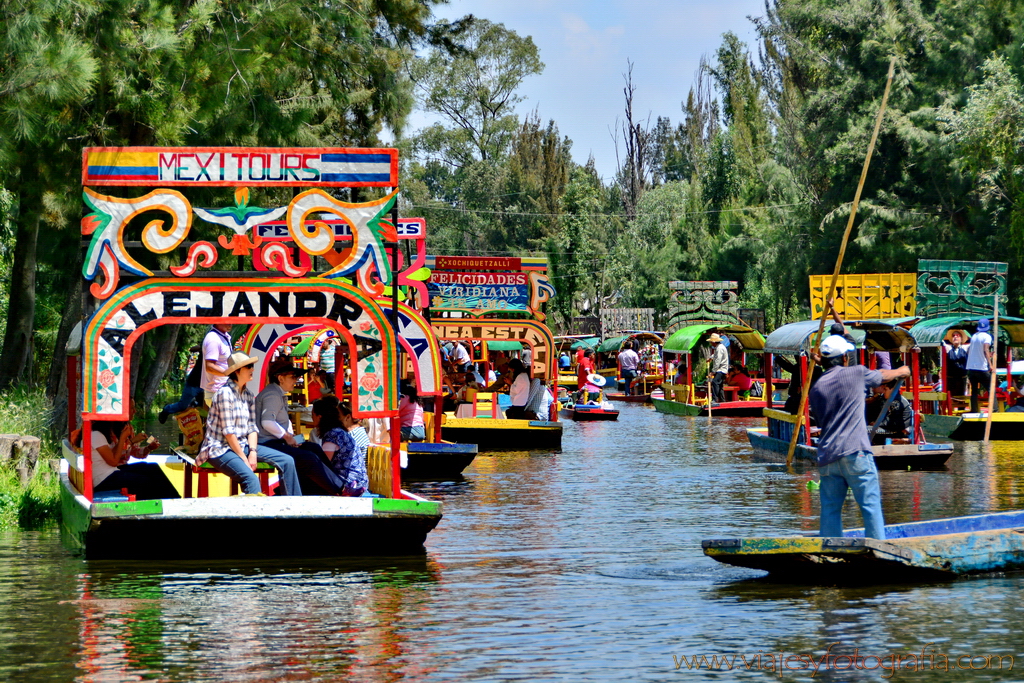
[[845, 459]]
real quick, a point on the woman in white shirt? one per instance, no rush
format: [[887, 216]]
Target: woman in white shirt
[[111, 442]]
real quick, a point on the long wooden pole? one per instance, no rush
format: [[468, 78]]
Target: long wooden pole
[[709, 395], [992, 369], [816, 341]]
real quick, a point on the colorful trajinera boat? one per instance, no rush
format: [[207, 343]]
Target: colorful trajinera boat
[[487, 428], [127, 298], [795, 339], [650, 372], [928, 550], [949, 416], [685, 398]]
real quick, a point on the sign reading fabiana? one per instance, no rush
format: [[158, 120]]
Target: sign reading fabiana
[[238, 166]]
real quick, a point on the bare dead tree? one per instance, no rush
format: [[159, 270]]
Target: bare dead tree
[[634, 174]]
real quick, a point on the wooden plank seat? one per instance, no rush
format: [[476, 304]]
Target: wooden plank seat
[[263, 470]]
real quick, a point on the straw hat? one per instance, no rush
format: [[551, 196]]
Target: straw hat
[[596, 380], [714, 338], [240, 360]]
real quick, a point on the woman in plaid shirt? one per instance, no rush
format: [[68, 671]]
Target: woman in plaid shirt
[[230, 441]]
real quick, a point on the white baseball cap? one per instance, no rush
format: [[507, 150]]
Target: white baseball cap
[[835, 345]]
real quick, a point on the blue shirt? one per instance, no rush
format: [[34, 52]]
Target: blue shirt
[[837, 402], [349, 461]]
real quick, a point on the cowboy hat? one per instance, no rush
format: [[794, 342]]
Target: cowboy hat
[[596, 380], [714, 338], [239, 360]]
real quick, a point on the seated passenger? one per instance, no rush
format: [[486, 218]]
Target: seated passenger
[[899, 418], [230, 444], [111, 443], [346, 461], [411, 413], [739, 377]]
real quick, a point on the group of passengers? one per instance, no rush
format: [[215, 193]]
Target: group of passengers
[[242, 431]]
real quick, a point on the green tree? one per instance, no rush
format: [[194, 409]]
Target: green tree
[[475, 92]]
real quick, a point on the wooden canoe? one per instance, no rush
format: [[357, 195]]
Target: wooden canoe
[[928, 550], [585, 413], [428, 460], [922, 456]]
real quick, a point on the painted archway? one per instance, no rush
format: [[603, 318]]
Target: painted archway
[[111, 331], [414, 334], [536, 334]]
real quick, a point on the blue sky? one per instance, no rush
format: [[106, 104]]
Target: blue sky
[[585, 45]]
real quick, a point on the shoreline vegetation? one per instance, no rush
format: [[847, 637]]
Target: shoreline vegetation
[[36, 503]]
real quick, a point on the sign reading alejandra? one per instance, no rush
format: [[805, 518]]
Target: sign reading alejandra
[[479, 291]]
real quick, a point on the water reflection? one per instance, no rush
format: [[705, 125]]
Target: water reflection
[[248, 621], [583, 565]]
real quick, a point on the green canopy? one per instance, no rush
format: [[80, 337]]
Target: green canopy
[[611, 345], [504, 346], [302, 348], [931, 331], [683, 340], [588, 343]]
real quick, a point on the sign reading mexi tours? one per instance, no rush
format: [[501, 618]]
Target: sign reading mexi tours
[[238, 166]]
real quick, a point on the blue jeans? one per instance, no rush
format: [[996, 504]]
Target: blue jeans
[[288, 478], [855, 471], [238, 469], [416, 433], [188, 395]]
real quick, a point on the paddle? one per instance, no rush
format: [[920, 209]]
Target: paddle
[[885, 409], [992, 368], [816, 340]]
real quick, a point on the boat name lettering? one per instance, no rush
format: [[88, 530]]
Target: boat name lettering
[[477, 262], [445, 278], [228, 304]]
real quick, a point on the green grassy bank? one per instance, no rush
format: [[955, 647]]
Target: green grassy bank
[[27, 411]]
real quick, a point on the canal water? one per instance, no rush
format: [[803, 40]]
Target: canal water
[[579, 566]]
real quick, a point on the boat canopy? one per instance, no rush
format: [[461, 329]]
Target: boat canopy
[[302, 348], [683, 340], [611, 344], [504, 346], [588, 343], [882, 335], [795, 338], [931, 331], [614, 344]]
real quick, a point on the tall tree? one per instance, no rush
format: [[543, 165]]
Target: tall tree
[[475, 92]]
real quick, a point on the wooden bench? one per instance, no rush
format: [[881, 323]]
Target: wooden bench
[[203, 471]]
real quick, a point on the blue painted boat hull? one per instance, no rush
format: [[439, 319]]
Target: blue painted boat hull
[[438, 460], [933, 549]]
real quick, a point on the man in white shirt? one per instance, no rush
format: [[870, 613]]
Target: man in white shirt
[[460, 356], [979, 359], [629, 361], [216, 356]]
